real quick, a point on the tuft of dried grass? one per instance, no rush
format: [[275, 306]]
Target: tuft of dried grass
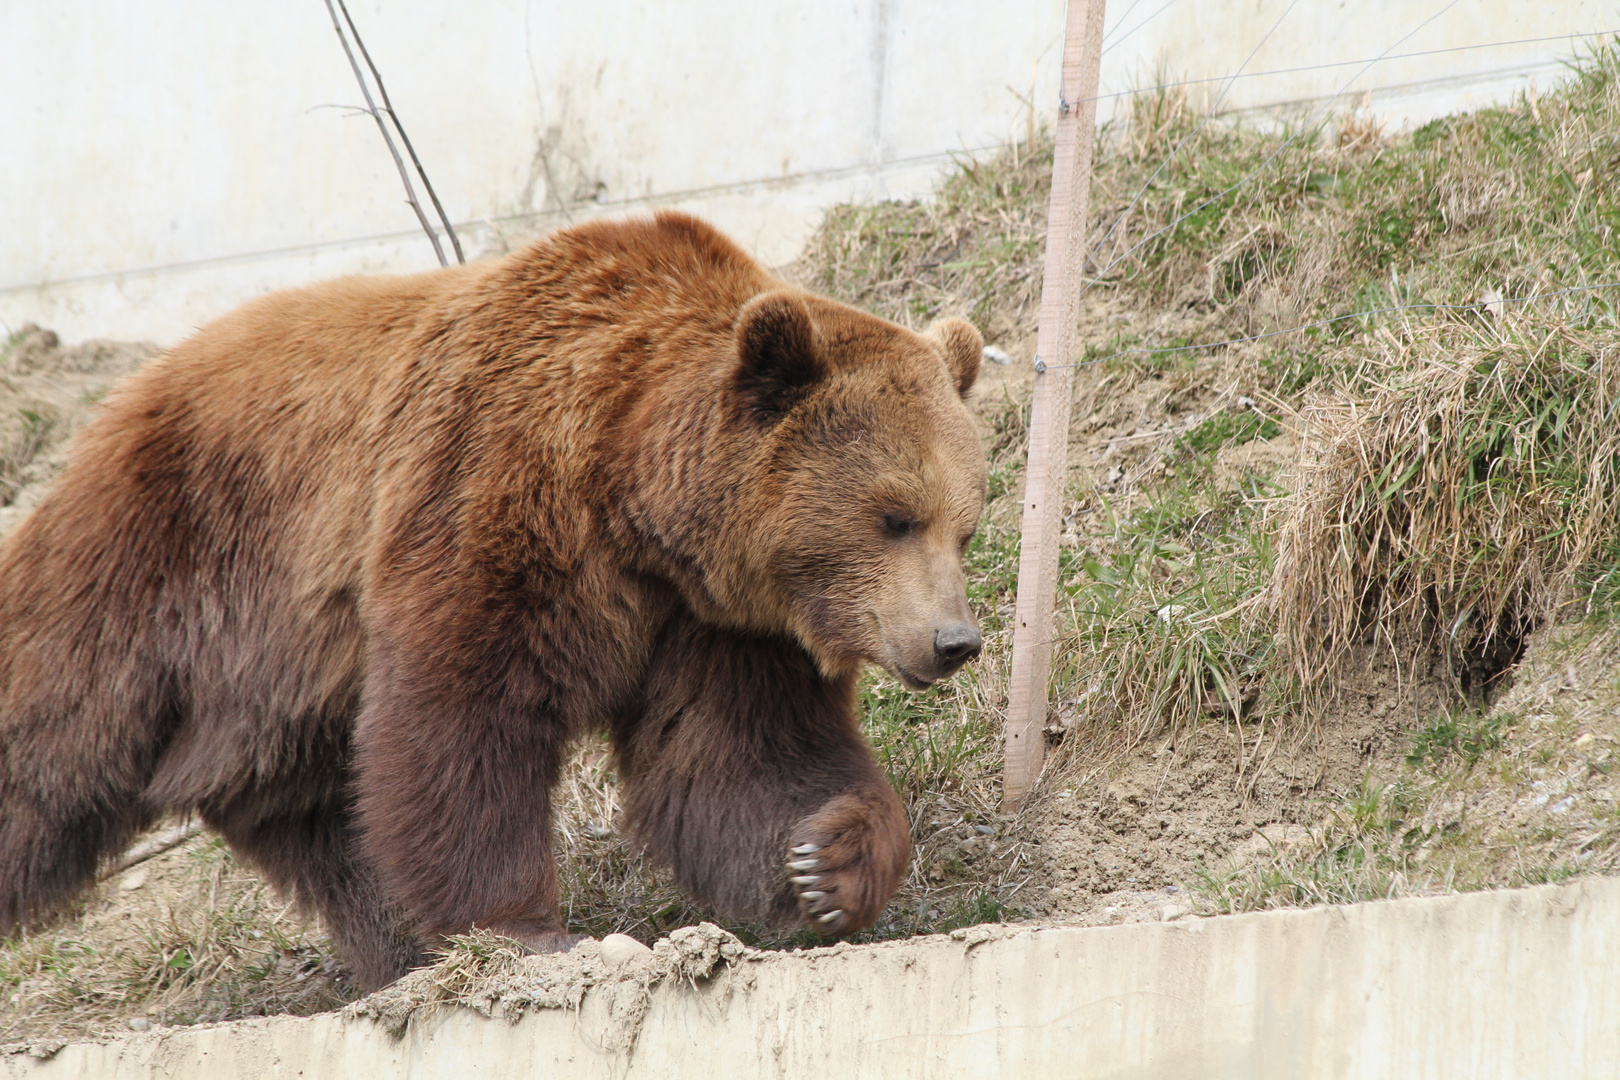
[[1459, 502], [18, 452], [973, 250]]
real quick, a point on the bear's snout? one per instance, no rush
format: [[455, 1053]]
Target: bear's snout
[[954, 645], [935, 652]]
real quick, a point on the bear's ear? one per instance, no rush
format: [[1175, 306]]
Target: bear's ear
[[963, 348], [777, 359]]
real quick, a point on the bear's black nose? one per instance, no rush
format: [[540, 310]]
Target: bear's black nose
[[956, 644]]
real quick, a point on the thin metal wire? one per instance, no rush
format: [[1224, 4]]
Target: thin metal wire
[[1121, 21], [1138, 26], [1208, 116], [388, 107], [376, 114], [1042, 366], [1156, 87], [1269, 158]]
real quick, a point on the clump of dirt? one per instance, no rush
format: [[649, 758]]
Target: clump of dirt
[[1135, 836], [495, 977]]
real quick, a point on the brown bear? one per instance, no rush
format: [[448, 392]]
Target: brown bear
[[346, 571]]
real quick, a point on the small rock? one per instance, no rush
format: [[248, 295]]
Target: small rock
[[133, 880], [984, 830], [996, 356], [1562, 805], [621, 951], [597, 831], [1584, 739], [139, 1023], [1172, 912]]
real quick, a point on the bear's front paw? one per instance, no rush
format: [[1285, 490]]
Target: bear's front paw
[[846, 860]]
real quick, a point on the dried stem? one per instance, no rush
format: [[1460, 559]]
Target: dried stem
[[399, 163], [388, 107]]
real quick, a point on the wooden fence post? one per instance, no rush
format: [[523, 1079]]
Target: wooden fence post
[[1049, 414]]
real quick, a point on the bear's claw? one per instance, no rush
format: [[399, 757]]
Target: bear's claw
[[848, 856], [813, 898]]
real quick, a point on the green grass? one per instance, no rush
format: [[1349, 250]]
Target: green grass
[[1156, 606], [1229, 429], [1467, 735], [221, 947]]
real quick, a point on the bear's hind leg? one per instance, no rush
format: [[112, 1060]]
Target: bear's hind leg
[[50, 850], [313, 856], [73, 769], [747, 773]]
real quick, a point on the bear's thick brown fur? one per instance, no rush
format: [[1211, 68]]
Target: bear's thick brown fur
[[346, 571]]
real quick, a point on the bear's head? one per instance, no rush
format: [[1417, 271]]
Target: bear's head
[[867, 482]]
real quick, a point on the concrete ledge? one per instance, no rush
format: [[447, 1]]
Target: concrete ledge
[[1520, 983]]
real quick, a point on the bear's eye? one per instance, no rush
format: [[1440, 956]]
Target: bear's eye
[[899, 526]]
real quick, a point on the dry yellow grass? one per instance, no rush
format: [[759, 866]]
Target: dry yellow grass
[[1462, 498]]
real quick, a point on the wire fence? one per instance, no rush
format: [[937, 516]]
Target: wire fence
[[1483, 306], [1309, 128], [1160, 87]]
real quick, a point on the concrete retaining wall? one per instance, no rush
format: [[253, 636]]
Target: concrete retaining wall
[[1513, 984]]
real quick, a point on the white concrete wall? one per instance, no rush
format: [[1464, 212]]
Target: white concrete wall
[[1512, 985], [1407, 60], [162, 161]]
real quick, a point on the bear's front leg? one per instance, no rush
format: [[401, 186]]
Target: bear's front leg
[[453, 782], [847, 858], [747, 773]]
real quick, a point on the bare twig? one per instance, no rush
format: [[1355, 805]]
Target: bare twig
[[388, 107], [154, 845], [399, 163]]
